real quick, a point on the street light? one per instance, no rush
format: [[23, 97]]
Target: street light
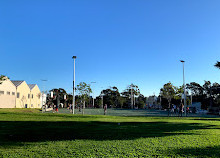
[[93, 101], [42, 96], [132, 102], [182, 61], [102, 94], [74, 58]]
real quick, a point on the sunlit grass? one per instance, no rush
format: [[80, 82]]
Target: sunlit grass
[[29, 133]]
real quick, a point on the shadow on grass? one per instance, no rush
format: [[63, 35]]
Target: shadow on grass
[[213, 151], [207, 119], [13, 132]]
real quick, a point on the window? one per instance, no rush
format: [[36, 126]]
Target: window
[[18, 95], [32, 96], [8, 93], [1, 92], [31, 105], [13, 93], [28, 96]]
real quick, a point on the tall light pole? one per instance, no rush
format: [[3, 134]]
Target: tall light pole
[[42, 96], [74, 58], [93, 101], [184, 87], [132, 96], [102, 94]]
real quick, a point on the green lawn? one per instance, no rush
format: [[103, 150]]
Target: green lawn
[[29, 133]]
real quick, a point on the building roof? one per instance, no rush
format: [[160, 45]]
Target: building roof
[[31, 86], [17, 83]]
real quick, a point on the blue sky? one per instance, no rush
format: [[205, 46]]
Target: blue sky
[[117, 42]]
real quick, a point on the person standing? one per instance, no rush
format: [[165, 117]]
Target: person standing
[[57, 107], [54, 108], [105, 109], [182, 109]]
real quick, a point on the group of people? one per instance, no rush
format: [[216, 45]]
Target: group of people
[[70, 107], [55, 108], [174, 109]]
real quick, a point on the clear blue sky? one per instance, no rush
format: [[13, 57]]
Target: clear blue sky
[[117, 42]]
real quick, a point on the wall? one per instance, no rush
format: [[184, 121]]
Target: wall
[[24, 90], [35, 101], [7, 100]]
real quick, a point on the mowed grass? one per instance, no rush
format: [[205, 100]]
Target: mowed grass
[[30, 133]]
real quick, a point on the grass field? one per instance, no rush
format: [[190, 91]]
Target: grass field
[[29, 133]]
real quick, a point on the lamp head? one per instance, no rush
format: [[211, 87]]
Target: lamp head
[[74, 57], [182, 61]]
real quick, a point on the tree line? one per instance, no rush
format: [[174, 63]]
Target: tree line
[[129, 98]]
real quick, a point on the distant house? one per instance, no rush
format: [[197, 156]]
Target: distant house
[[22, 93], [34, 96], [151, 101], [7, 94], [43, 99]]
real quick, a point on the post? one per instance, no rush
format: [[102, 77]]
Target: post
[[184, 87], [102, 97], [134, 101], [42, 100], [132, 97], [42, 95], [102, 101], [73, 106], [93, 100]]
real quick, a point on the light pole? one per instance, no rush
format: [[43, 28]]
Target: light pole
[[42, 96], [74, 58], [93, 101], [102, 94], [132, 96], [184, 87]]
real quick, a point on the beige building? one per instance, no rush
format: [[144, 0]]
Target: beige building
[[22, 91], [7, 94], [34, 96]]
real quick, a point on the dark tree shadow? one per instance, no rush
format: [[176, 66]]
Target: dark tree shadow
[[15, 132], [213, 151], [206, 119]]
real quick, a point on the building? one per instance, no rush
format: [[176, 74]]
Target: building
[[22, 94], [34, 96], [7, 94]]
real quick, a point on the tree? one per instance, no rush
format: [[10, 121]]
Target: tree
[[140, 102], [195, 88], [130, 93], [84, 90], [2, 78], [98, 102], [217, 65], [58, 96], [112, 96], [168, 91]]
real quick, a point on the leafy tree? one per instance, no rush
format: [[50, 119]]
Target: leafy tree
[[112, 97], [58, 96], [207, 94], [140, 102], [2, 78], [207, 88], [131, 91], [168, 91], [83, 90], [98, 102], [217, 65]]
